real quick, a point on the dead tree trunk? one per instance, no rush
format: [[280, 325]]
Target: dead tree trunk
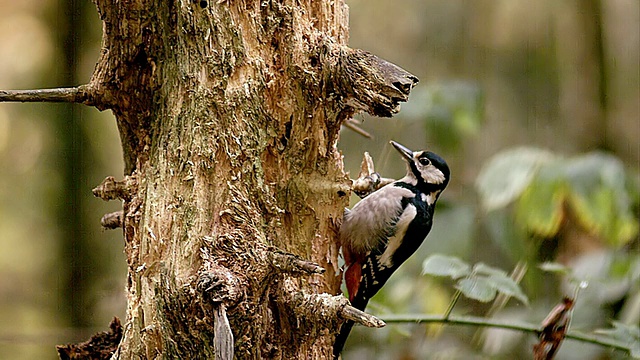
[[229, 114]]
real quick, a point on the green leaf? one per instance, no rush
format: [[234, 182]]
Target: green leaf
[[625, 266], [441, 265], [477, 288], [505, 285], [628, 334], [508, 174], [598, 211], [600, 198], [483, 269], [540, 208], [499, 280], [589, 171]]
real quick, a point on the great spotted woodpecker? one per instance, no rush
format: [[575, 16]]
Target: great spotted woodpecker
[[388, 226]]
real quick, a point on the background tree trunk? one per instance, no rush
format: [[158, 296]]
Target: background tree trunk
[[229, 115]]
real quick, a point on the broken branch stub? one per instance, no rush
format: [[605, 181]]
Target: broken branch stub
[[361, 317], [325, 310], [365, 81], [111, 189], [219, 285], [113, 220], [368, 180]]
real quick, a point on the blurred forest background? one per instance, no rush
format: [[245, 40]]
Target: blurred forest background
[[534, 104]]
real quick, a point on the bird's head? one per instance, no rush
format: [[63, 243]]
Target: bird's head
[[424, 168]]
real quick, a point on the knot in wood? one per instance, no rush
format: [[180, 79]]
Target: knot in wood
[[219, 285]]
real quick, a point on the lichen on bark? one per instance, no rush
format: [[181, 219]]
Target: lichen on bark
[[229, 116]]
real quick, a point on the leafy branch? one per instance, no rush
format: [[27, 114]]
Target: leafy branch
[[622, 344], [483, 283]]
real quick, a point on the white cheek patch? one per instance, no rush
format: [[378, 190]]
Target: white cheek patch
[[432, 175]]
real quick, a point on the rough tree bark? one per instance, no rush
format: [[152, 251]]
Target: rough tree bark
[[229, 114]]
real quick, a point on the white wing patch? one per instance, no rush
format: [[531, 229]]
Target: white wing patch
[[395, 241]]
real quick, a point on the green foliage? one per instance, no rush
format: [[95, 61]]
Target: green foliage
[[627, 334], [482, 282], [477, 288], [441, 265], [540, 209], [508, 174], [600, 198], [593, 187]]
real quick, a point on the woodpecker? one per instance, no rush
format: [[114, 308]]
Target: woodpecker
[[388, 226]]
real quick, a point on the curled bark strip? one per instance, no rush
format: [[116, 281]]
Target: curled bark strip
[[292, 264], [223, 336], [112, 220], [365, 81], [80, 94], [111, 189], [368, 180], [219, 285], [361, 317]]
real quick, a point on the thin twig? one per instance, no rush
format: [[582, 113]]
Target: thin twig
[[353, 126], [79, 94], [501, 300], [453, 302], [456, 297], [509, 325]]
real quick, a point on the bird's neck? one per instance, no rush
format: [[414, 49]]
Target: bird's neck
[[419, 187]]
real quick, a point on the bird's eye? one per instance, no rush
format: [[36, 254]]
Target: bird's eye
[[424, 161]]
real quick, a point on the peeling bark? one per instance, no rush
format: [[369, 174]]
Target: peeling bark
[[229, 114], [100, 346]]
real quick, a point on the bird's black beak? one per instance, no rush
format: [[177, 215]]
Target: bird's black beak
[[406, 153]]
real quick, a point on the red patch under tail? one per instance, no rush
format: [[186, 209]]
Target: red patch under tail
[[352, 277]]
